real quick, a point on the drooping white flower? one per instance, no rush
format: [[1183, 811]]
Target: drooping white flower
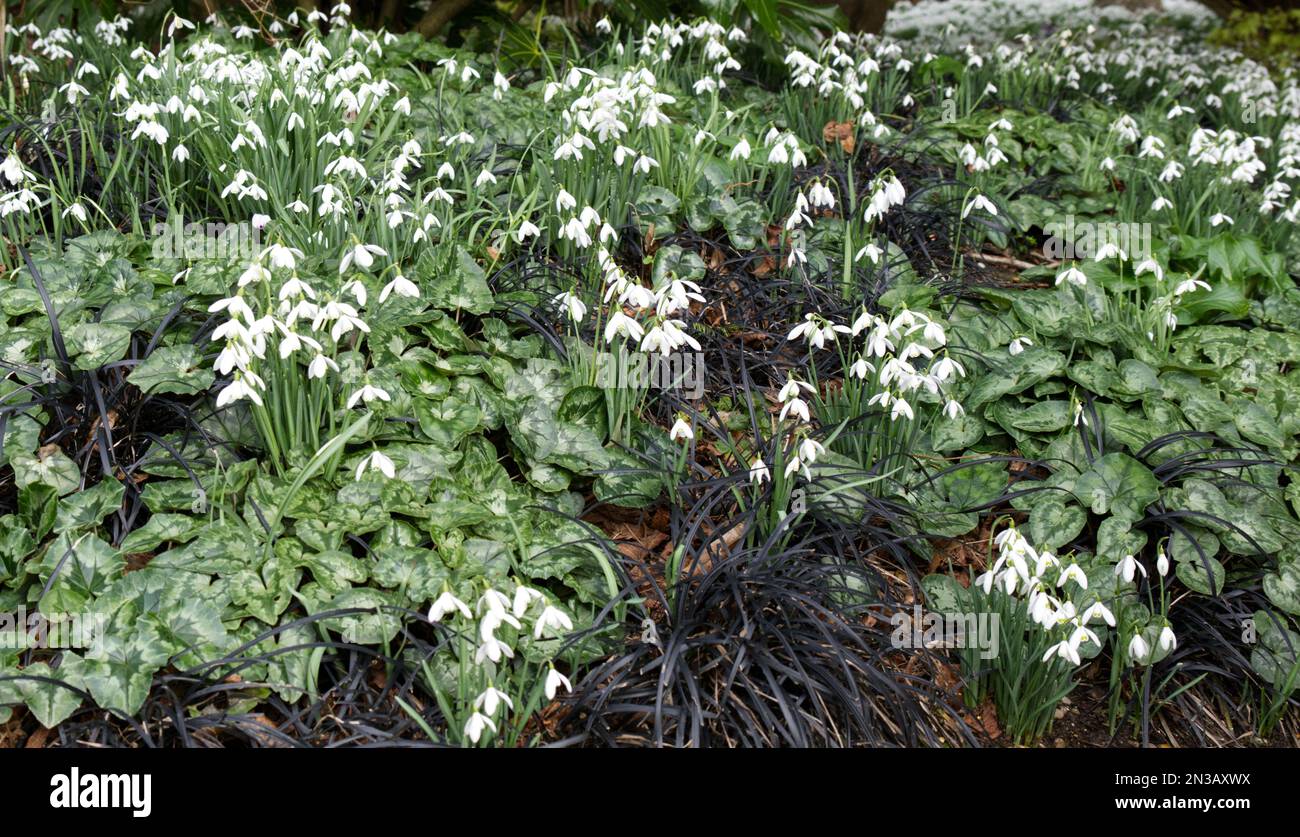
[[477, 723], [368, 393], [448, 603], [376, 461], [554, 680], [401, 286]]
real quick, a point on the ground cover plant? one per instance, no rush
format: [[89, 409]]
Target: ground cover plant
[[637, 384]]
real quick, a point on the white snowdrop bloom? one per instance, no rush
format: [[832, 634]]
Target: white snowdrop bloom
[[1109, 250], [366, 394], [554, 680], [484, 178], [564, 202], [979, 202], [527, 229], [1219, 218], [494, 650], [240, 388], [491, 698], [376, 461], [1065, 650], [554, 620], [363, 255], [1138, 651], [448, 603], [758, 472], [945, 367], [1190, 285], [475, 726], [741, 150], [1018, 344], [1128, 567], [401, 286], [1074, 276], [871, 251], [1097, 610], [1150, 266], [76, 210], [620, 324]]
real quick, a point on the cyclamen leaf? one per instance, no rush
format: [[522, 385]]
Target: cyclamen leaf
[[95, 344], [174, 369], [1118, 484], [1053, 523]]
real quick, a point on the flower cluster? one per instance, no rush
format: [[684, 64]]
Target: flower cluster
[[1045, 584], [498, 620]]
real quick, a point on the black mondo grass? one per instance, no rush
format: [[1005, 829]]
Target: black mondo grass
[[764, 646]]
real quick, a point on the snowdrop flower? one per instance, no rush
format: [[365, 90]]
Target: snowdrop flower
[[1162, 564], [527, 229], [1150, 266], [494, 650], [952, 409], [241, 387], [1073, 573], [448, 603], [1109, 250], [758, 472], [1128, 567], [1167, 640], [401, 286], [1065, 650], [552, 619], [367, 393], [1220, 218], [494, 601], [376, 461], [1190, 285], [554, 680], [1098, 610], [318, 366], [476, 724], [979, 202], [1074, 276], [77, 211], [681, 430], [621, 324], [571, 305], [1137, 649], [741, 151], [1161, 203], [945, 367], [363, 255], [1018, 344], [565, 202], [484, 177]]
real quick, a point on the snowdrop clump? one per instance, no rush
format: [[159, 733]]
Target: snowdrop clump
[[485, 639]]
